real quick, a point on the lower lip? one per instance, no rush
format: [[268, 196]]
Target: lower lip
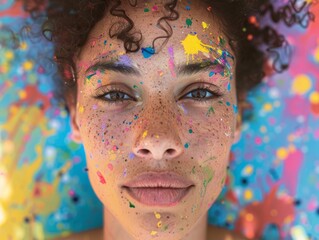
[[158, 196]]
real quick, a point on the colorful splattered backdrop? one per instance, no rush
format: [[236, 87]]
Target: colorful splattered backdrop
[[273, 183]]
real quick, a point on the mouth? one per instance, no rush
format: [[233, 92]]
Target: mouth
[[158, 189]]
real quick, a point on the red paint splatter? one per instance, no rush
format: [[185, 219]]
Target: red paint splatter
[[314, 109], [101, 178], [254, 218]]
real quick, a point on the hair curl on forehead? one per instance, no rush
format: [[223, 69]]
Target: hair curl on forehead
[[69, 23]]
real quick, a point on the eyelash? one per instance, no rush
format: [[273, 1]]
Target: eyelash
[[103, 92]]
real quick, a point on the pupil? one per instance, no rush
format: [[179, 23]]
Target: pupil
[[200, 94], [115, 95]]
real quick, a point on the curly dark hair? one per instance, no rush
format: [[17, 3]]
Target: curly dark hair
[[69, 23]]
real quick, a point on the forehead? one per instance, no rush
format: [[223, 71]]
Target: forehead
[[195, 30]]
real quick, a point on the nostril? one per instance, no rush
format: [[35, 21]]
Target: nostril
[[170, 151], [144, 151]]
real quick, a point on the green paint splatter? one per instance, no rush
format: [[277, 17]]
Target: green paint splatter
[[208, 176], [221, 41], [146, 9], [189, 22], [190, 130], [132, 205], [165, 227], [186, 145], [88, 78], [194, 208], [210, 110], [223, 181], [135, 86]]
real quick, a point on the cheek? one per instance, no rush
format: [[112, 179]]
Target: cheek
[[213, 125]]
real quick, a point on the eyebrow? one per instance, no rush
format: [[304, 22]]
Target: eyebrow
[[115, 67], [203, 66], [183, 69]]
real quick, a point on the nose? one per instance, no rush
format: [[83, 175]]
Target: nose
[[158, 141]]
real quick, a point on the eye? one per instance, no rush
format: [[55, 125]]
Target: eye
[[112, 96], [202, 94]]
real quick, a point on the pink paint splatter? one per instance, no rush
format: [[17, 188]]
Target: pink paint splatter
[[71, 193], [297, 105], [292, 165], [102, 179], [312, 205], [258, 140], [171, 63], [110, 166]]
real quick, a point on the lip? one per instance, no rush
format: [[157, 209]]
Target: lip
[[158, 189]]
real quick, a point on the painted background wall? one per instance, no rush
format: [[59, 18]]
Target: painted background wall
[[273, 182]]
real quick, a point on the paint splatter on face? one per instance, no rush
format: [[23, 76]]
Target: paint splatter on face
[[173, 112]]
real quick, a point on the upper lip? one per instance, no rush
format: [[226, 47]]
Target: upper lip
[[159, 180]]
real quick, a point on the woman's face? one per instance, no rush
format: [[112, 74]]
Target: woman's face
[[157, 148]]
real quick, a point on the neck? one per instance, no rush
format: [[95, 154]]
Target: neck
[[113, 230]]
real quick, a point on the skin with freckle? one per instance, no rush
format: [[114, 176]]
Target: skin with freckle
[[160, 125]]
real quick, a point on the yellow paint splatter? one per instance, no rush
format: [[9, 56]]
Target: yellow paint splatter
[[282, 153], [193, 45], [112, 155], [144, 134], [27, 65], [81, 109], [23, 46], [21, 190], [205, 25], [22, 94], [153, 233], [316, 54], [157, 215], [159, 224], [267, 107], [298, 233], [9, 55], [248, 170], [314, 98], [301, 84], [248, 194]]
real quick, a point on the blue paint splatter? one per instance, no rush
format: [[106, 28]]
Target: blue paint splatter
[[148, 52], [186, 145], [235, 108], [188, 8], [211, 74], [228, 87], [125, 60], [131, 155], [228, 103]]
